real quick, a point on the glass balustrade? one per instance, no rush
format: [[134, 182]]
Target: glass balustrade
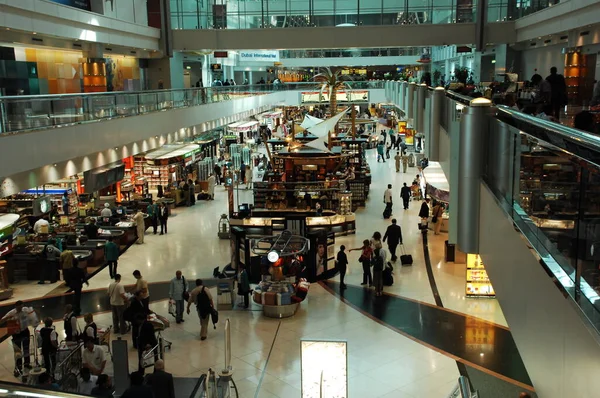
[[266, 14], [35, 112], [352, 53]]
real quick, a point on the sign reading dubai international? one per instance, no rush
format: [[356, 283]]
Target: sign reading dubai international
[[259, 55]]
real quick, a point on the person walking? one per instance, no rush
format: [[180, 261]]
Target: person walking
[[217, 170], [393, 235], [52, 254], [140, 226], [248, 177], [380, 149], [163, 216], [436, 217], [244, 286], [141, 286], [387, 199], [49, 345], [178, 292], [365, 260], [211, 187], [378, 262], [20, 318], [111, 256], [161, 382], [398, 159], [342, 265], [404, 162], [133, 313], [70, 325], [192, 192], [558, 92], [116, 294], [76, 277], [186, 193], [152, 212], [242, 174], [424, 212], [204, 305], [405, 195]]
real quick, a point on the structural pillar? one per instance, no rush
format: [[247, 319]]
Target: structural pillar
[[410, 101], [420, 109], [403, 94], [433, 140], [474, 126]]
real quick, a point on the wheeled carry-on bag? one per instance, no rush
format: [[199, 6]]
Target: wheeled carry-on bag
[[405, 259]]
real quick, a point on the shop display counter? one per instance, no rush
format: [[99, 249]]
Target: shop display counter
[[28, 264], [478, 283], [264, 222]]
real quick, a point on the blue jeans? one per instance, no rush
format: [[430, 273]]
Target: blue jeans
[[179, 305]]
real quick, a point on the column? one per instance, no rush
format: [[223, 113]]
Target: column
[[474, 126], [420, 109], [433, 138], [166, 73], [410, 101]]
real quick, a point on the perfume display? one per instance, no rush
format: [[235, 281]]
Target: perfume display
[[478, 282]]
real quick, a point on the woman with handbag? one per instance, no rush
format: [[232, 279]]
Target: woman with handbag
[[365, 260]]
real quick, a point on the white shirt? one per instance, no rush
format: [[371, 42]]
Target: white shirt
[[95, 357], [387, 196], [85, 387], [106, 213], [115, 292], [37, 227], [24, 317]]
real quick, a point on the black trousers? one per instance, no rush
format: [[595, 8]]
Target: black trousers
[[246, 299], [393, 247], [388, 207], [367, 278], [154, 224], [49, 360], [77, 299], [405, 202], [343, 270], [146, 303], [556, 110], [49, 272], [112, 268], [163, 225]]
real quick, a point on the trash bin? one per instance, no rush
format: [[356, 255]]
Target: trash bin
[[449, 251]]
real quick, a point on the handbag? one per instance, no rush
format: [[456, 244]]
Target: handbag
[[434, 219], [185, 295]]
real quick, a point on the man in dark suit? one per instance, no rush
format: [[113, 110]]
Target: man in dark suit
[[161, 382], [393, 234], [405, 195]]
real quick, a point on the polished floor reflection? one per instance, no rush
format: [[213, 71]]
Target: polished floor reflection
[[385, 359]]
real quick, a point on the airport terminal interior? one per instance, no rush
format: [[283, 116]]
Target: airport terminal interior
[[316, 199]]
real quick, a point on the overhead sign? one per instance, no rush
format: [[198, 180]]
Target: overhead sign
[[81, 4], [259, 55], [220, 54]]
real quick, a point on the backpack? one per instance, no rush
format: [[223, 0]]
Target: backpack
[[203, 303], [377, 263]]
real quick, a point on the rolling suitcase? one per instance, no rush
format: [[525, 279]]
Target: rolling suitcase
[[405, 259], [387, 213]]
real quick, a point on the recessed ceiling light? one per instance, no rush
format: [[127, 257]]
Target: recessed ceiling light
[[34, 33], [7, 28]]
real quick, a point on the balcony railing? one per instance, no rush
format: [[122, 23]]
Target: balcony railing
[[265, 14], [35, 112], [352, 53]]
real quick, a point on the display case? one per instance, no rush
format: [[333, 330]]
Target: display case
[[345, 206], [478, 282]]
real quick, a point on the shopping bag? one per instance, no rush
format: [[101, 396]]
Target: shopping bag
[[405, 259], [172, 308], [147, 359]]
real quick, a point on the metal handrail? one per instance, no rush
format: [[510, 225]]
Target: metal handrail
[[579, 143]]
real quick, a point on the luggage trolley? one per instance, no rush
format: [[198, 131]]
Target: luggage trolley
[[220, 384], [160, 323]]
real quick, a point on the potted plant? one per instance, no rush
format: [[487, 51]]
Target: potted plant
[[461, 74]]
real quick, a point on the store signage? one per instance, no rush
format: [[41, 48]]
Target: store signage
[[259, 55], [220, 54], [81, 4], [342, 96], [309, 161]]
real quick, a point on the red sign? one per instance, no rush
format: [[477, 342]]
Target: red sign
[[220, 54]]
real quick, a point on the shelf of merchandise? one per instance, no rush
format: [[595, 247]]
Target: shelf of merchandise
[[155, 179], [477, 281]]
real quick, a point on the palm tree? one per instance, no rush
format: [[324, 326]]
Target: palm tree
[[332, 81]]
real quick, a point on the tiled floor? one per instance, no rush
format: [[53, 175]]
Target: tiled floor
[[382, 363]]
